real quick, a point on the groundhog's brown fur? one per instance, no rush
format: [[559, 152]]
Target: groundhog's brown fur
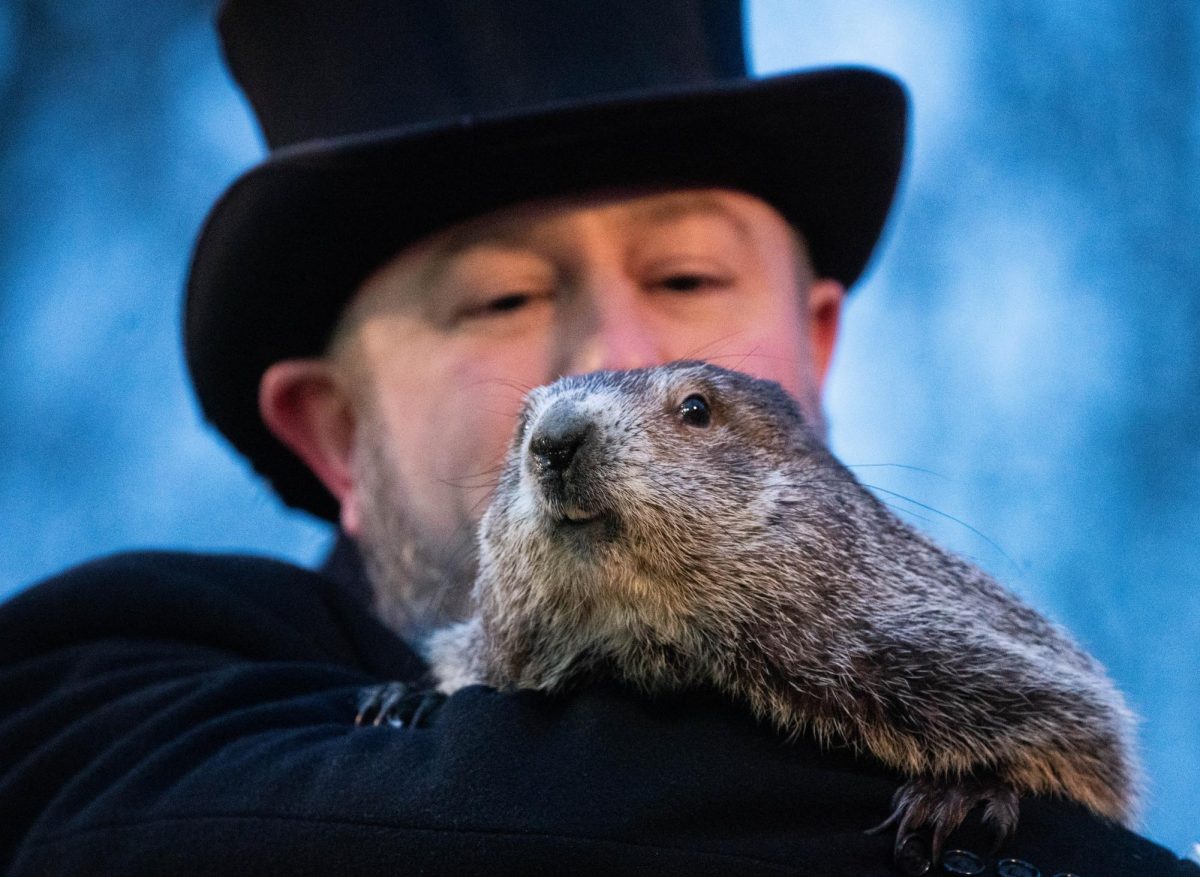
[[628, 537]]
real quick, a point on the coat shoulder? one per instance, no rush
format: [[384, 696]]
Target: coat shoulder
[[255, 607]]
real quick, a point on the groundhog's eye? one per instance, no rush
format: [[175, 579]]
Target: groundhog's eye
[[694, 411]]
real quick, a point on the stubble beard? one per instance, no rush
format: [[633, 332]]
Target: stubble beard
[[419, 583]]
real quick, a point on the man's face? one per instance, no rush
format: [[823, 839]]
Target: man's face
[[441, 343]]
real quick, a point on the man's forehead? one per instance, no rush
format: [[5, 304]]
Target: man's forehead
[[525, 223]]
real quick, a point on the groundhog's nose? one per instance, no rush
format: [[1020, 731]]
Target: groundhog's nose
[[559, 434]]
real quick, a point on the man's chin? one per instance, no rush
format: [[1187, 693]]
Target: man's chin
[[420, 581]]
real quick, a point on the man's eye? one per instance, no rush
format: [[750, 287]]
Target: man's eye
[[507, 310], [684, 282], [509, 302], [501, 304]]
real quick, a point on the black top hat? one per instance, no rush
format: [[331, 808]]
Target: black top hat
[[390, 119]]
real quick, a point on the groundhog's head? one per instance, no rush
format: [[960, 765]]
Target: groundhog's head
[[624, 492]]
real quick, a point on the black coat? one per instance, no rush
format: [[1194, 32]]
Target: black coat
[[176, 714]]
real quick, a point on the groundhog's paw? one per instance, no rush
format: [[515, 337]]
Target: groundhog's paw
[[378, 705], [396, 705], [941, 806]]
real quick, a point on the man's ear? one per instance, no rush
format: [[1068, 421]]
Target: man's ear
[[307, 406], [825, 297]]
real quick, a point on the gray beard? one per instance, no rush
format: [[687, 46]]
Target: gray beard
[[418, 584]]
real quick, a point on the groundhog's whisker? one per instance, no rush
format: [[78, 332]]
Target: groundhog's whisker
[[486, 478], [945, 515], [699, 352], [907, 512], [910, 468], [742, 357], [482, 501], [522, 389], [463, 557]]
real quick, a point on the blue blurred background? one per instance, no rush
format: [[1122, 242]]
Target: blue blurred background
[[1029, 339]]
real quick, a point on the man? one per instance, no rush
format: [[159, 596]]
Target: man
[[465, 199], [416, 401]]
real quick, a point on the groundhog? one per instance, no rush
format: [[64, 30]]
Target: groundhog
[[685, 526]]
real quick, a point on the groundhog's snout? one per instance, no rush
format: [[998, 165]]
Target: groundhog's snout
[[561, 458], [558, 438]]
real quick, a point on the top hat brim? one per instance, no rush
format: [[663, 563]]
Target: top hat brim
[[285, 248]]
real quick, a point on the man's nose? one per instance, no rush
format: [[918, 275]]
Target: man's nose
[[616, 330]]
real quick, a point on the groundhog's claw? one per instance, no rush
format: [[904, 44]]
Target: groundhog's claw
[[943, 806], [397, 705], [379, 705]]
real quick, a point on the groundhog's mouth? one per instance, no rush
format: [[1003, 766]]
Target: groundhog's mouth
[[579, 515], [580, 523], [572, 514]]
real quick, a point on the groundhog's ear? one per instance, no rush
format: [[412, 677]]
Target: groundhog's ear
[[307, 406], [825, 297]]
